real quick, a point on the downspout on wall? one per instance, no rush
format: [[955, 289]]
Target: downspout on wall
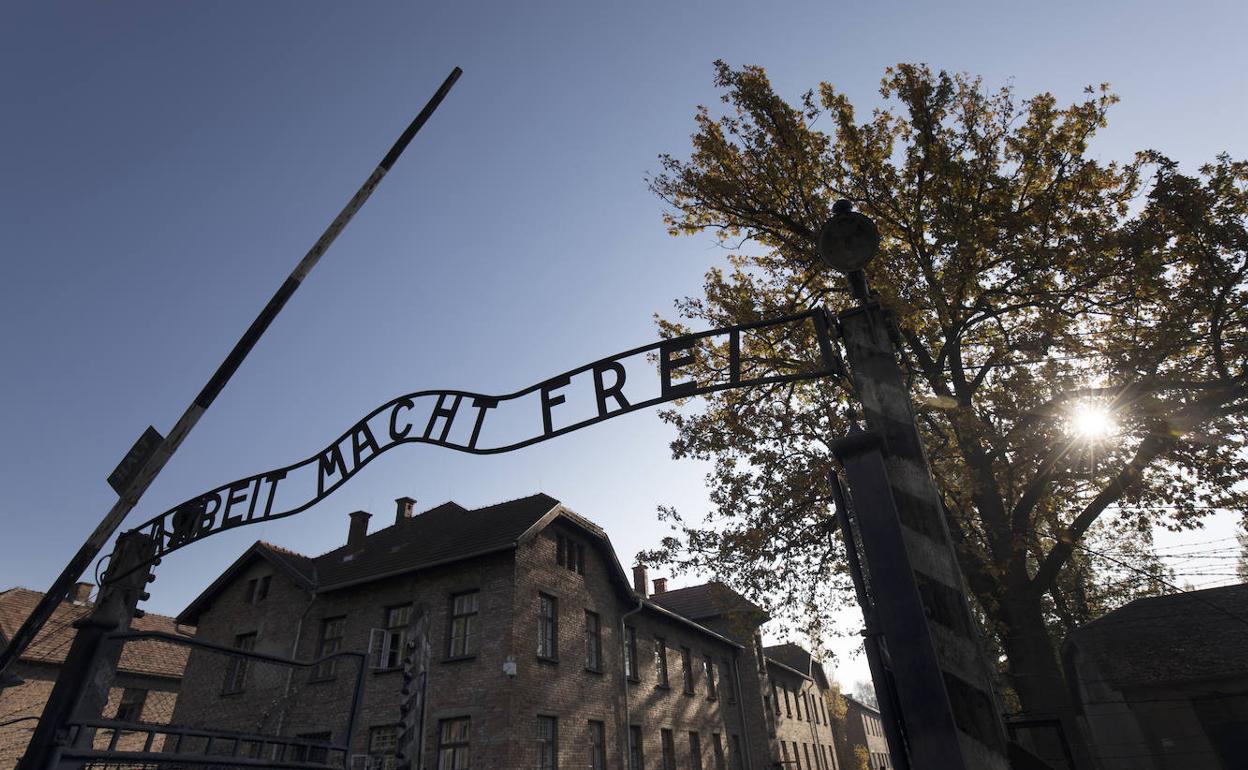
[[745, 732], [294, 655], [624, 734]]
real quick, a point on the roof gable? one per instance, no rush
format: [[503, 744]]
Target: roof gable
[[708, 600], [299, 568]]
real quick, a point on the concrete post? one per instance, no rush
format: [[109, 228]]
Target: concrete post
[[81, 689]]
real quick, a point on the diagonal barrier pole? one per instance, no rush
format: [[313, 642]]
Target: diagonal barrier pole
[[150, 453]]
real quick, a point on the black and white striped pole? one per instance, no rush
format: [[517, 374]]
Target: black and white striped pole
[[948, 713], [149, 454]]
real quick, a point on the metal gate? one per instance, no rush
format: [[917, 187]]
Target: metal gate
[[275, 721]]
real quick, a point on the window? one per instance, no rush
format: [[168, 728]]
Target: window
[[570, 554], [630, 653], [806, 754], [593, 641], [797, 758], [597, 746], [686, 663], [258, 589], [708, 669], [547, 627], [547, 743], [383, 744], [307, 753], [738, 759], [131, 707], [669, 749], [784, 753], [636, 754], [717, 746], [332, 630], [775, 697], [385, 645], [695, 751], [788, 707], [824, 706], [463, 625], [453, 744], [730, 676], [236, 666], [660, 662], [798, 697]]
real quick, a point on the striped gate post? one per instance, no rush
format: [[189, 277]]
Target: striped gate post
[[890, 481]]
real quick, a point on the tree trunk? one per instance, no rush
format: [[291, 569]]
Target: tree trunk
[[1035, 671]]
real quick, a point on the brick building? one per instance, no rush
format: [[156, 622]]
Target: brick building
[[865, 733], [544, 653], [145, 689], [1162, 683]]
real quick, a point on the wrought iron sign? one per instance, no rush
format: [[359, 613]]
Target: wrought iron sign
[[483, 424]]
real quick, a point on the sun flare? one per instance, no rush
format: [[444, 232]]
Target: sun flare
[[1091, 422]]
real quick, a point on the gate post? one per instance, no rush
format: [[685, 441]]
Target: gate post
[[910, 553], [82, 687]]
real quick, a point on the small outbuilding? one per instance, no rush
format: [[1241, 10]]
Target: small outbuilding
[[1163, 681]]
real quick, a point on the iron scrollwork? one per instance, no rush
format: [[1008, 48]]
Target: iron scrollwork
[[483, 424]]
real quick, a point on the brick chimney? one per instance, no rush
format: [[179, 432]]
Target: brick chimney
[[660, 586], [82, 593], [359, 527], [403, 507], [640, 583]]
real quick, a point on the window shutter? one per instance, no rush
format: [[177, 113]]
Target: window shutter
[[378, 641]]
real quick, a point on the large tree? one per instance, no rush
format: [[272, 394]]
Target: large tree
[[1034, 287]]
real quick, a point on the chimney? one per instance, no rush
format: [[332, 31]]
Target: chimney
[[359, 528], [660, 586], [403, 509], [639, 581], [82, 593]]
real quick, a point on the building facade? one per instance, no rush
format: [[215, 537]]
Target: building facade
[[865, 733], [149, 674], [544, 654]]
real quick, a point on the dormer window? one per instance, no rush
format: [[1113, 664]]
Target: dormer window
[[258, 589], [570, 554]]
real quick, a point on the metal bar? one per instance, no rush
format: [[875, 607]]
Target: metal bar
[[207, 759], [156, 461], [180, 731], [262, 656], [885, 689]]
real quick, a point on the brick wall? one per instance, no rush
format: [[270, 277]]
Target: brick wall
[[503, 709], [28, 699], [802, 724]]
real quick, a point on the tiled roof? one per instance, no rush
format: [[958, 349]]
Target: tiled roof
[[53, 640], [708, 600], [443, 534], [446, 533], [797, 658], [1173, 638], [302, 566]]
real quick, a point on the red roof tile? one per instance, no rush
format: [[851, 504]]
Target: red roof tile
[[52, 642]]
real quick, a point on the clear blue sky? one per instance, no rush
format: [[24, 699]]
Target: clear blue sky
[[163, 166]]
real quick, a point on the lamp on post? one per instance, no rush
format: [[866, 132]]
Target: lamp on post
[[847, 242]]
